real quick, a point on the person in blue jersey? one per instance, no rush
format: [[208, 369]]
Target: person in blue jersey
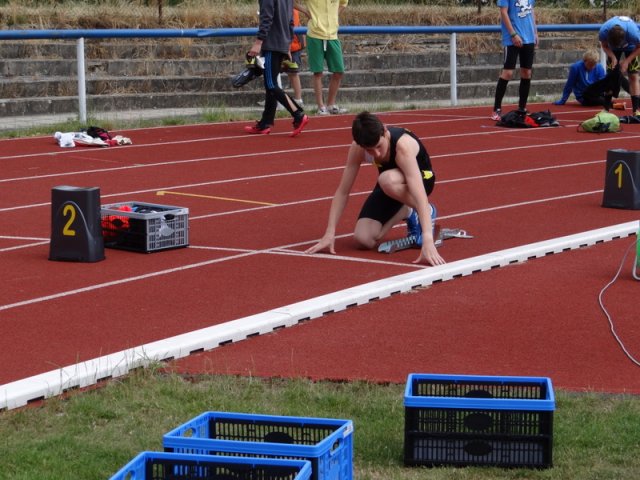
[[620, 39], [582, 75], [405, 181], [273, 42], [519, 39]]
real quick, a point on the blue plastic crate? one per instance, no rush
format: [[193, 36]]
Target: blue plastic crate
[[326, 443], [175, 466], [478, 420]]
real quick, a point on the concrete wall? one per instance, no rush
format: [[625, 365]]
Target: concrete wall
[[39, 77]]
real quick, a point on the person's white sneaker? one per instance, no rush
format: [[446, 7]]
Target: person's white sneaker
[[336, 110], [322, 111]]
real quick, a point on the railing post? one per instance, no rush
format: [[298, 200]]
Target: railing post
[[453, 69], [82, 87]]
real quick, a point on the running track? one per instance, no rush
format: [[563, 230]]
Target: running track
[[257, 202]]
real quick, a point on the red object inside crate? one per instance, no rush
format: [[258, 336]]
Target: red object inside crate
[[114, 224]]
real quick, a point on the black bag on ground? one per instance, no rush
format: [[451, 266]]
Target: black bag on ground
[[630, 119], [544, 119], [516, 119], [98, 132]]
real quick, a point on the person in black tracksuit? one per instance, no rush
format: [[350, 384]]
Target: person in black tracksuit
[[405, 180], [273, 43]]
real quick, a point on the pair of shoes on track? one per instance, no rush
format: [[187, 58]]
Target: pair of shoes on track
[[298, 125], [496, 116], [331, 110]]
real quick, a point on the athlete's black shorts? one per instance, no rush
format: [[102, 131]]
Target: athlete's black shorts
[[381, 207], [526, 53], [634, 66]]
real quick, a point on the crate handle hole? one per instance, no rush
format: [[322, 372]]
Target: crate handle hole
[[278, 437], [478, 393], [478, 448], [335, 447]]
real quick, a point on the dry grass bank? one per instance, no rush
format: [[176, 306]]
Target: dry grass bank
[[31, 14]]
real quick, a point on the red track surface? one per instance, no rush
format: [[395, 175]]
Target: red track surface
[[507, 187]]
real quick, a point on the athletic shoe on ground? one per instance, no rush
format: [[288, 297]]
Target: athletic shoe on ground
[[414, 229], [299, 124], [336, 110], [619, 106], [322, 111], [496, 116], [257, 129], [413, 224]]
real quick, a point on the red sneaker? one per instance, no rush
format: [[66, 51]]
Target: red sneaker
[[298, 125], [257, 129]]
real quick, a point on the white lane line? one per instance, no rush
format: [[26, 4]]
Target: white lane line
[[526, 171]]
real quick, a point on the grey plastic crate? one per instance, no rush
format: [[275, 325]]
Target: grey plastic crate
[[144, 227]]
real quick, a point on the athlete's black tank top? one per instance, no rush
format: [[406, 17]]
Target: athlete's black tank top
[[424, 162]]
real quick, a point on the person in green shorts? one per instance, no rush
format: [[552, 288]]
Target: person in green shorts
[[323, 46]]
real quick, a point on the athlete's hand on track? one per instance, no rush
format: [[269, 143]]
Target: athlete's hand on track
[[429, 253], [326, 243]]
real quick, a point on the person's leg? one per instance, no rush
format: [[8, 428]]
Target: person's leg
[[334, 86], [335, 64], [634, 84], [294, 78], [510, 57], [315, 56], [369, 232], [527, 53], [379, 213], [524, 89], [270, 79], [317, 91], [296, 87], [593, 95], [393, 183]]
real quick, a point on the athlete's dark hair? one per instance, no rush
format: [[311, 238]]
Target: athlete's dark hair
[[367, 129], [616, 36]]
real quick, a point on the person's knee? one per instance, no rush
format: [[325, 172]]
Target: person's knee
[[364, 239], [525, 73], [506, 75], [365, 233]]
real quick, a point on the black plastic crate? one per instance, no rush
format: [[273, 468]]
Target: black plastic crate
[[173, 466], [464, 420]]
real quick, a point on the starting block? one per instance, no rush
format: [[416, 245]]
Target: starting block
[[441, 234]]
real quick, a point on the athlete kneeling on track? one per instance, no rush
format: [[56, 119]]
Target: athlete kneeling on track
[[405, 179]]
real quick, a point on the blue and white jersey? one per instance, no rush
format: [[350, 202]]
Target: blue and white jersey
[[632, 33], [522, 20]]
